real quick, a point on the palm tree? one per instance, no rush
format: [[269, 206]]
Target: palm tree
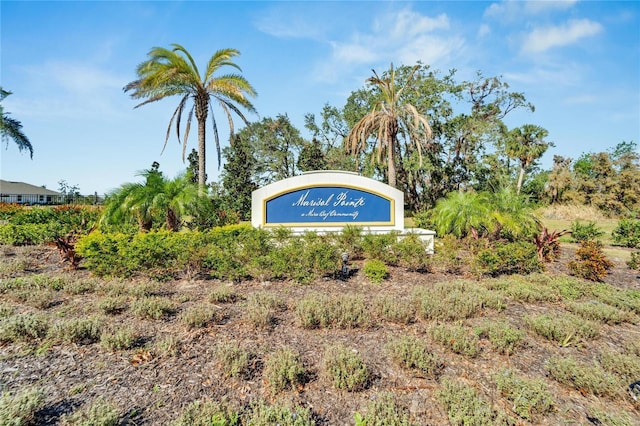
[[156, 199], [527, 145], [173, 72], [12, 129], [387, 119]]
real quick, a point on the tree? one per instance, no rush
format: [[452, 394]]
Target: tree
[[526, 144], [389, 117], [12, 129], [150, 203], [311, 157], [239, 172], [276, 145], [173, 72]]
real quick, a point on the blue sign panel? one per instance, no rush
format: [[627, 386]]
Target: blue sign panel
[[328, 205]]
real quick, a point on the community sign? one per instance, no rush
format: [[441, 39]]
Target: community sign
[[328, 201]]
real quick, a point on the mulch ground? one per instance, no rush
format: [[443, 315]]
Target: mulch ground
[[152, 389]]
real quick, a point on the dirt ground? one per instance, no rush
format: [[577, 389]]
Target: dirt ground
[[149, 388]]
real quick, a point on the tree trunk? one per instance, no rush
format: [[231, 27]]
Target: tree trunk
[[201, 117], [520, 179]]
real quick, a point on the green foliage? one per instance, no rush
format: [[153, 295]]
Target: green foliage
[[122, 338], [283, 370], [23, 328], [81, 331], [346, 369], [98, 413], [598, 311], [455, 300], [457, 338], [565, 329], [375, 270], [235, 360], [504, 337], [634, 261], [412, 253], [261, 414], [262, 308], [529, 396], [624, 364], [19, 409], [627, 233], [383, 410], [29, 234], [200, 315], [347, 311], [463, 404], [207, 413], [152, 307], [395, 309], [508, 258], [380, 247], [591, 263], [585, 232], [413, 354], [584, 377]]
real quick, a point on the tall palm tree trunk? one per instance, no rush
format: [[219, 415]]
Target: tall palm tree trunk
[[202, 103]]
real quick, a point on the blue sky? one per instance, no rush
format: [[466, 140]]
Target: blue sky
[[66, 63]]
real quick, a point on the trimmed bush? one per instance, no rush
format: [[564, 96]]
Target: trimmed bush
[[627, 233], [345, 368], [375, 270], [591, 263], [508, 258]]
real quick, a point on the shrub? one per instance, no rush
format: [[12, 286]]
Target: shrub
[[457, 338], [20, 408], [565, 329], [585, 232], [23, 327], [583, 377], [623, 364], [99, 413], [528, 396], [223, 294], [412, 253], [591, 263], [379, 247], [548, 244], [413, 354], [346, 311], [504, 338], [82, 331], [463, 404], [627, 233], [207, 413], [375, 270], [120, 339], [456, 300], [262, 308], [152, 307], [235, 360], [349, 240], [395, 309], [113, 305], [261, 414], [283, 370], [199, 316], [345, 369], [508, 258], [383, 411], [598, 311], [634, 261]]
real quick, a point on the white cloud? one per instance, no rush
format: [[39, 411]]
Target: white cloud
[[545, 38], [402, 37], [290, 21], [515, 9], [484, 30]]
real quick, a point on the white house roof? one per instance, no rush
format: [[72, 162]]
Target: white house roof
[[20, 188]]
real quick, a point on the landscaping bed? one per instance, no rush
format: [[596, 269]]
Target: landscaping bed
[[428, 347]]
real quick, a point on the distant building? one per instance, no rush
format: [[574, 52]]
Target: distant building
[[24, 193]]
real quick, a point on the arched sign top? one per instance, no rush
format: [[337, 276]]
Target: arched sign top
[[326, 200]]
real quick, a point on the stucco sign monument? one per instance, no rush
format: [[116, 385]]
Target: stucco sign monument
[[327, 201]]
